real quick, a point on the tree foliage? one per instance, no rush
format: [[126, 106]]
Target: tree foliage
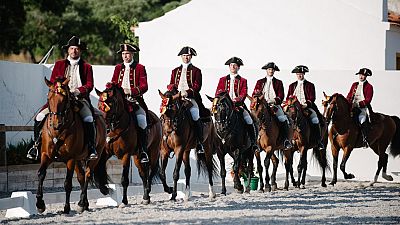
[[34, 26]]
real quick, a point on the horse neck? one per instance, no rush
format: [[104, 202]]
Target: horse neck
[[342, 115]]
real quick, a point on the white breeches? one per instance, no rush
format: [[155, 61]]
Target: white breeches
[[141, 117], [247, 117], [363, 115], [194, 110], [313, 116]]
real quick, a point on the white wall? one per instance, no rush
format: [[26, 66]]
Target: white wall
[[324, 35]]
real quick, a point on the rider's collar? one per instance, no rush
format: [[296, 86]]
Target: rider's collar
[[73, 61], [128, 64]]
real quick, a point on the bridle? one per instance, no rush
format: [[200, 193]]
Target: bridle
[[62, 115]]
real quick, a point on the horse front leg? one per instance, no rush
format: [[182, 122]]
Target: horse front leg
[[45, 162], [143, 169], [304, 165], [300, 166], [164, 163], [176, 174], [267, 161], [221, 158], [236, 165], [83, 179], [335, 155], [125, 179], [68, 185], [260, 171], [346, 154], [287, 162], [275, 163], [188, 172]]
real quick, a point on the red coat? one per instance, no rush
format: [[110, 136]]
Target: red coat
[[85, 71], [193, 77], [309, 91], [368, 92], [137, 78], [276, 84], [240, 87]]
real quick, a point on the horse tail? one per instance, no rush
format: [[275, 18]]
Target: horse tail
[[395, 145], [155, 172], [203, 164], [322, 159], [101, 178]]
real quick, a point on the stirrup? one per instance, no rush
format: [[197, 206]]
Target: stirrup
[[145, 157], [93, 156], [287, 144], [365, 144], [200, 149], [321, 145], [30, 154]]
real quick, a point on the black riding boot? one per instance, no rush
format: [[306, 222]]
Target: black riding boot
[[198, 129], [252, 135], [318, 134], [142, 135], [364, 132], [91, 139], [285, 130], [33, 152]]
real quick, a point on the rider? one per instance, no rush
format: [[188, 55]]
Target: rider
[[272, 90], [189, 85], [132, 77], [360, 96], [304, 90], [237, 90], [81, 82]]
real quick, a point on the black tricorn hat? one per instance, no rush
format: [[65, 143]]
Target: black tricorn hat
[[270, 65], [365, 71], [300, 69], [128, 47], [236, 60], [75, 41], [187, 51]]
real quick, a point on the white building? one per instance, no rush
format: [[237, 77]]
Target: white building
[[324, 35]]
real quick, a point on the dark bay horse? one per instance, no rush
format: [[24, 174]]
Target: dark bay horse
[[122, 139], [303, 140], [63, 137], [179, 138], [345, 134], [270, 141], [230, 127]]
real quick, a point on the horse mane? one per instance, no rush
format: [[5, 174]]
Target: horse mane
[[344, 99]]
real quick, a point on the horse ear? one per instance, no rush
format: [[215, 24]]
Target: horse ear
[[161, 94], [48, 83], [210, 98], [66, 81], [98, 92]]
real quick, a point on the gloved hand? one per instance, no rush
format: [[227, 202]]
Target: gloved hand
[[127, 91], [76, 93], [271, 101]]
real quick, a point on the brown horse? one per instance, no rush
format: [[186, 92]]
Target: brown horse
[[269, 141], [122, 139], [63, 137], [304, 140], [345, 134], [233, 140], [179, 138]]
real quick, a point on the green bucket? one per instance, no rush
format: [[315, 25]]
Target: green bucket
[[253, 183]]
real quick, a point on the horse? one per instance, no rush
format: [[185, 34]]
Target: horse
[[304, 140], [179, 138], [230, 127], [122, 139], [63, 137], [345, 134], [270, 140]]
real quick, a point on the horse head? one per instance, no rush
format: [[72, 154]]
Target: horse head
[[59, 101], [222, 109], [259, 107], [112, 103], [335, 106], [171, 104], [293, 107]]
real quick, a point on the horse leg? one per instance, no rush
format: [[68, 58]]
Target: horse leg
[[346, 156], [275, 163], [304, 164], [45, 162], [68, 185], [291, 169], [221, 158], [210, 170], [164, 163], [236, 179], [250, 165], [176, 175], [260, 170], [384, 166], [300, 167], [335, 155], [324, 164], [143, 169], [188, 172], [287, 156], [125, 179], [80, 174], [266, 165]]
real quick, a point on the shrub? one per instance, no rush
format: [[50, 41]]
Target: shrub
[[16, 154]]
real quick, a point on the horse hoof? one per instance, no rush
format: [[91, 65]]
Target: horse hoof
[[371, 184], [349, 176], [286, 189], [223, 193], [261, 191], [122, 205], [323, 185], [387, 177], [274, 187], [80, 209], [302, 186], [66, 210], [40, 211], [145, 201], [239, 191]]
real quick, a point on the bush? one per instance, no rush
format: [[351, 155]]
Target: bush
[[16, 154]]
